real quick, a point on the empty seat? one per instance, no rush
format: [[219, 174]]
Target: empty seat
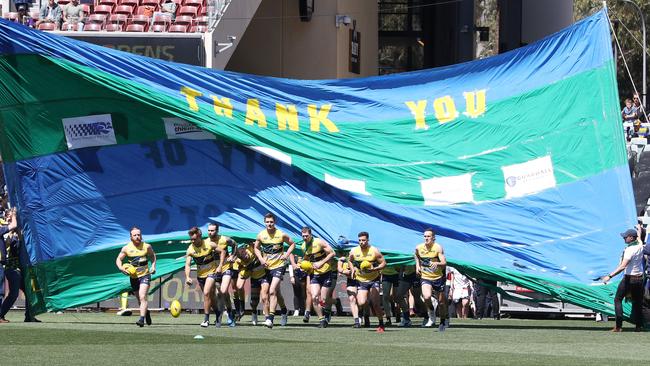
[[189, 11], [123, 9], [184, 20], [142, 20], [47, 26], [196, 3], [103, 9], [132, 3], [96, 19], [135, 28], [86, 8], [113, 27], [118, 19], [199, 29], [153, 3], [178, 28], [63, 2], [203, 20], [13, 16], [158, 28], [92, 27], [161, 19], [111, 3]]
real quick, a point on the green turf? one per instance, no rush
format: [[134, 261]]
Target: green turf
[[103, 339]]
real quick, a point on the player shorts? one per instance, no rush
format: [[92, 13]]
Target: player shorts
[[136, 282], [324, 280], [233, 273], [201, 280], [367, 285], [275, 272], [437, 285], [257, 282], [351, 283], [299, 275], [393, 279]]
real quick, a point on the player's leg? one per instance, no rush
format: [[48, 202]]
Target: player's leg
[[427, 293], [317, 302], [401, 295], [354, 307], [386, 287], [144, 302]]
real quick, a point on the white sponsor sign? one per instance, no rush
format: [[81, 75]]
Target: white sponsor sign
[[447, 190], [177, 128], [352, 185], [272, 153], [89, 131], [529, 177]]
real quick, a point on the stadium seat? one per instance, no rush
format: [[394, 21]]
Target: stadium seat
[[13, 16], [111, 3], [178, 28], [87, 9], [64, 26], [184, 20], [163, 20], [114, 27], [103, 9], [132, 3], [202, 20], [158, 28], [135, 28], [191, 11], [118, 19], [62, 3], [199, 29], [96, 19], [154, 3], [196, 3], [92, 27], [47, 26], [123, 9], [142, 20]]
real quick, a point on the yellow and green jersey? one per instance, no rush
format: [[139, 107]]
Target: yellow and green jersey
[[252, 266], [137, 257], [359, 255], [315, 252], [272, 248], [427, 257], [222, 243], [205, 258]]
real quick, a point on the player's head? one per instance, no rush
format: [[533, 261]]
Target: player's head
[[213, 230], [306, 234], [195, 235], [136, 235], [364, 238], [429, 235], [269, 221]]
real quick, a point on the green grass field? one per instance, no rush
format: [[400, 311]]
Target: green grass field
[[102, 339]]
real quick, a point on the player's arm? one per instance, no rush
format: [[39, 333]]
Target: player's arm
[[233, 250], [258, 252], [188, 262], [152, 256], [222, 259], [351, 264], [339, 266], [330, 254], [287, 239], [382, 261], [418, 265], [119, 259]]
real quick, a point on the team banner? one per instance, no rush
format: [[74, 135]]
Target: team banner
[[517, 161]]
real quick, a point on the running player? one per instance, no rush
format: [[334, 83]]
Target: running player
[[227, 272], [368, 277], [344, 268], [430, 263], [139, 254], [250, 267], [204, 253], [323, 279], [269, 249], [301, 294]]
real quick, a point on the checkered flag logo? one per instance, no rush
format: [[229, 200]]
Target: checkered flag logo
[[89, 129]]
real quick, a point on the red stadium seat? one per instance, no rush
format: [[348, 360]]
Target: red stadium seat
[[118, 19], [96, 19], [142, 20], [154, 3], [47, 26], [64, 26], [199, 29], [112, 27], [111, 3], [177, 28], [123, 9], [103, 9], [86, 8], [201, 20], [63, 2], [158, 28], [132, 3], [13, 16], [135, 28], [189, 11], [92, 27], [196, 3], [184, 20], [160, 19]]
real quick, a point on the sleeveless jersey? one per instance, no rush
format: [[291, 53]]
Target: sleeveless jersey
[[314, 252], [222, 243], [205, 258], [427, 257], [252, 264], [359, 255], [137, 257], [272, 248]]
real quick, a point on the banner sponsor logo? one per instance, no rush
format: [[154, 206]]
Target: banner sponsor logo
[[177, 128], [529, 177], [89, 131], [447, 190]]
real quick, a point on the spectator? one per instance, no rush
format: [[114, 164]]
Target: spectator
[[23, 18], [629, 112], [168, 8], [632, 282], [50, 13], [73, 14], [486, 298], [461, 291], [639, 108]]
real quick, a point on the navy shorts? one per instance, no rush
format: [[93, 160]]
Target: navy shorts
[[393, 279], [367, 285], [233, 273], [299, 275], [437, 285], [351, 283], [324, 280], [136, 282], [275, 272], [256, 282], [201, 280]]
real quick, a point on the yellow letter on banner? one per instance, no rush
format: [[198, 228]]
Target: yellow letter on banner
[[222, 106], [286, 115], [418, 111], [191, 94], [445, 109], [474, 103], [317, 117], [254, 113]]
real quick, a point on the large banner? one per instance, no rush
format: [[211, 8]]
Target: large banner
[[517, 161]]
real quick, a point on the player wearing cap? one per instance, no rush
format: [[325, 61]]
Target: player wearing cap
[[367, 263], [430, 263], [139, 254]]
